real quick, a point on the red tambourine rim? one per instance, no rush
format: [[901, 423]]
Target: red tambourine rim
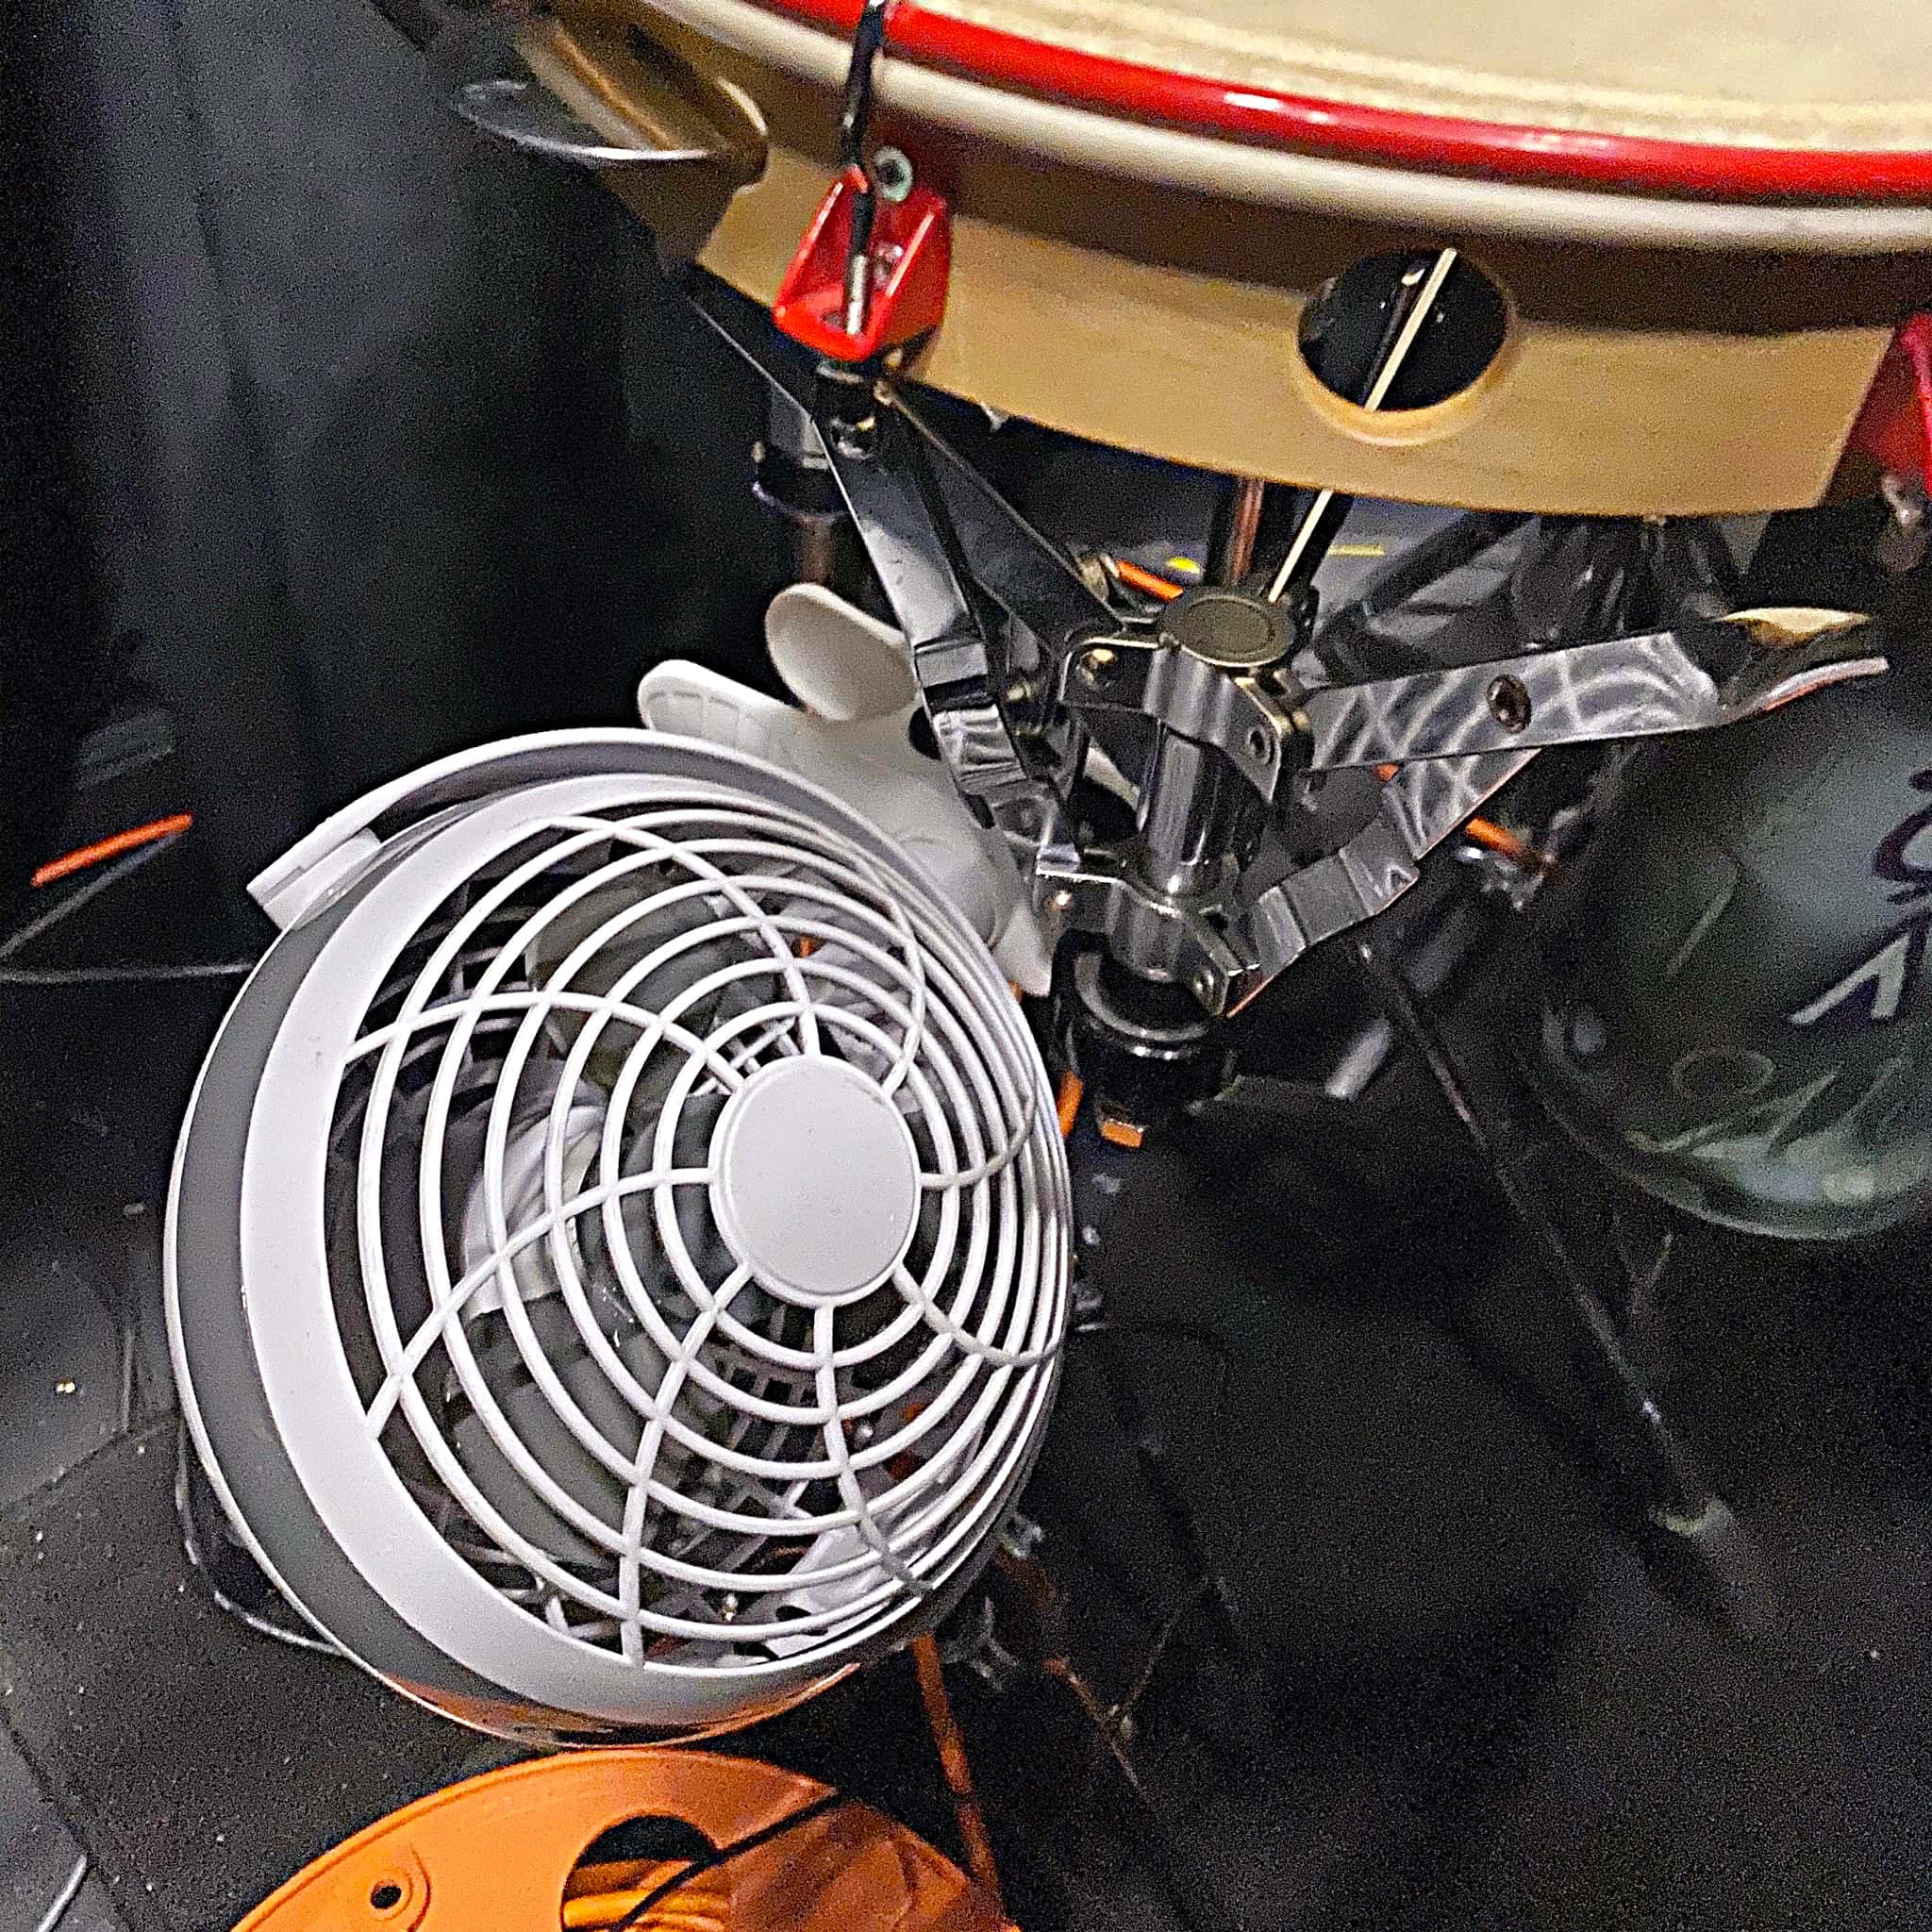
[[1345, 129]]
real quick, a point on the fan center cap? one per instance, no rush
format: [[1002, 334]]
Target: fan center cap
[[814, 1180]]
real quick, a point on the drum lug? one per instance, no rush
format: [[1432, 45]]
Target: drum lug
[[898, 271], [1894, 428], [871, 272]]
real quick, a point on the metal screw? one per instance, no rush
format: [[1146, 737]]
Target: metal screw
[[1022, 1537], [858, 440], [891, 174], [1201, 986], [1908, 535], [1509, 700], [1588, 1034], [1099, 668], [1093, 571]]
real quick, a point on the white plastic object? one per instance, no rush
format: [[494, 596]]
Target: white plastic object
[[842, 665], [616, 1259], [854, 736]]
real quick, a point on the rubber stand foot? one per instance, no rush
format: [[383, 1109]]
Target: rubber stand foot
[[1710, 1565]]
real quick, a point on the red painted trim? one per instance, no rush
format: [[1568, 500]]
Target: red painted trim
[[1436, 142], [1894, 428], [909, 302]]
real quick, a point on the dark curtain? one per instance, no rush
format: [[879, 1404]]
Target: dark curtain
[[54, 670], [382, 439]]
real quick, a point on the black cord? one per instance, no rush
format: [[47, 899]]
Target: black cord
[[868, 39], [126, 972], [724, 1856], [91, 886], [1172, 1330], [62, 1901]]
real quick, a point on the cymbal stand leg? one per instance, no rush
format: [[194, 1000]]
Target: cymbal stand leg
[[1176, 1513], [1695, 1549], [1036, 1614]]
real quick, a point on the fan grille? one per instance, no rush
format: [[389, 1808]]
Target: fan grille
[[622, 1424]]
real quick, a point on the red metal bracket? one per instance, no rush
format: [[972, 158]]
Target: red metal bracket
[[908, 252], [1894, 428]]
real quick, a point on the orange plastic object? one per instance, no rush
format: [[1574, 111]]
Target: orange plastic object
[[599, 1896], [103, 849], [1067, 1100], [950, 1743], [912, 249], [1495, 838], [498, 1853], [1136, 579]]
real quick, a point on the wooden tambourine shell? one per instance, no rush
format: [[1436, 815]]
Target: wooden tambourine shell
[[1697, 340]]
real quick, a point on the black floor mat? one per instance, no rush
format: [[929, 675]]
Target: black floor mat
[[1483, 1715], [1479, 1714], [200, 1764]]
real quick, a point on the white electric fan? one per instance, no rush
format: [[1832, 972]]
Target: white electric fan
[[617, 1251]]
